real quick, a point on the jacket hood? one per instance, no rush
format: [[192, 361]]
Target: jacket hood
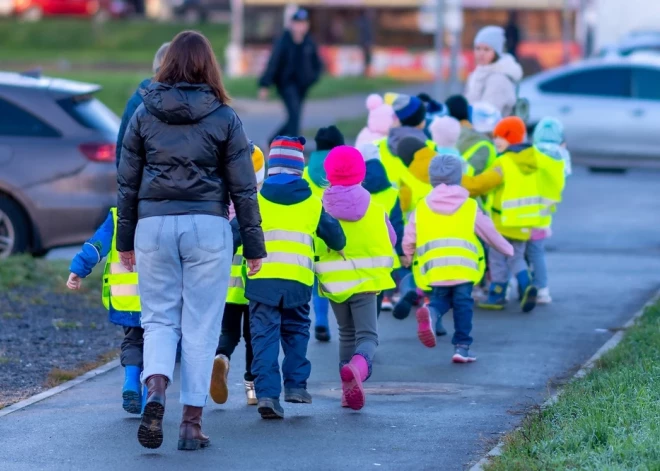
[[181, 103], [315, 168], [524, 155], [286, 189], [348, 203], [505, 65], [376, 178], [446, 199], [397, 134]]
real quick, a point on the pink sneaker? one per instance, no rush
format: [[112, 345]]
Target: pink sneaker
[[343, 400], [424, 327], [352, 376]]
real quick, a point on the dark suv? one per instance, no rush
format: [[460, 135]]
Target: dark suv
[[57, 162]]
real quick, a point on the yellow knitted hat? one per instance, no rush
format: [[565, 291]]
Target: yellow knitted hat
[[258, 162]]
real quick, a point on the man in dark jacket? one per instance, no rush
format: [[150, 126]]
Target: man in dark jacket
[[136, 99], [294, 66]]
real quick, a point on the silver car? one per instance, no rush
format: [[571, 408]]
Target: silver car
[[57, 162], [610, 108]]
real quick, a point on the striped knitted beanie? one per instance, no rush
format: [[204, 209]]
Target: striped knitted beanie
[[286, 155], [410, 110]]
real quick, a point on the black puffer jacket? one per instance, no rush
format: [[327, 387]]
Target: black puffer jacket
[[184, 152]]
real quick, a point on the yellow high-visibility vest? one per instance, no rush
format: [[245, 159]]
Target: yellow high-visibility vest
[[316, 190], [119, 284], [387, 199], [447, 247], [236, 291], [369, 261], [289, 234]]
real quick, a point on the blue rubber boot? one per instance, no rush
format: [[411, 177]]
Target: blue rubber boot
[[496, 297], [527, 290], [132, 399]]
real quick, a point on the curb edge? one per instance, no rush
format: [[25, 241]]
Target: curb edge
[[584, 369], [61, 388]]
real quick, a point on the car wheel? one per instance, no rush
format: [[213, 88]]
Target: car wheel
[[14, 229], [615, 170]]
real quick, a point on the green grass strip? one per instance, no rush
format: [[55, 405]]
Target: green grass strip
[[608, 420]]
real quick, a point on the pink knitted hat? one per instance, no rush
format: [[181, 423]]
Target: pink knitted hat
[[381, 116], [445, 131], [344, 166]]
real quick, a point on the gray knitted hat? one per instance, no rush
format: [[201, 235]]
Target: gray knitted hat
[[447, 169]]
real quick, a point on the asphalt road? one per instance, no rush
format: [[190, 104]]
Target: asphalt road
[[422, 412]]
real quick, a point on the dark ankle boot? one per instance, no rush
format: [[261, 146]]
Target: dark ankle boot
[[150, 433], [190, 431]]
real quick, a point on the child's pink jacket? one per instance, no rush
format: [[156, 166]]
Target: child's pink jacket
[[447, 199]]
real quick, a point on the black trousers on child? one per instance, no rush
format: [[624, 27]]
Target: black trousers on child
[[230, 335], [132, 347]]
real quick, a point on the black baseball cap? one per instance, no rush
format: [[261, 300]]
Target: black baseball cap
[[300, 15]]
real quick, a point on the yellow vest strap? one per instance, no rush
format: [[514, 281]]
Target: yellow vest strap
[[289, 236], [354, 264], [336, 287], [445, 243], [441, 262], [289, 259]]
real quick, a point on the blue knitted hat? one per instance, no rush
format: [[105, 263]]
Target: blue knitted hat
[[410, 110]]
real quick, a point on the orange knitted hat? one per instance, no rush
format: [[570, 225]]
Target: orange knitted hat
[[512, 129]]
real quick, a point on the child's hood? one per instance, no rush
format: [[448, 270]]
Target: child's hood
[[286, 189], [376, 179], [315, 168], [524, 155], [447, 199], [347, 203]]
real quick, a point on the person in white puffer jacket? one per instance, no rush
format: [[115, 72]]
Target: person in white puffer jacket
[[497, 74]]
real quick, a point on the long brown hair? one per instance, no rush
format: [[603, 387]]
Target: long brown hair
[[190, 58]]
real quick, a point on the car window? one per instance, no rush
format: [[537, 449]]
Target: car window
[[90, 113], [646, 83], [612, 82], [16, 122]]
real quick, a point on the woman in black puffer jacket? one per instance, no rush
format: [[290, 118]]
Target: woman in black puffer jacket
[[183, 157]]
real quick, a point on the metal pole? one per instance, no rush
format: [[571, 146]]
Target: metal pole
[[456, 45], [439, 47], [566, 33]]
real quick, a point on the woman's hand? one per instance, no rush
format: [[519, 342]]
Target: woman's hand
[[128, 259], [74, 282], [254, 266]]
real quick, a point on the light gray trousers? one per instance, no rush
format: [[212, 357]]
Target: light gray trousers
[[358, 326], [183, 264], [502, 268]]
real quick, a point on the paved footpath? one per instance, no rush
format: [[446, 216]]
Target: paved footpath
[[422, 412]]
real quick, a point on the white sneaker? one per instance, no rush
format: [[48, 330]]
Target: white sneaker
[[544, 296], [386, 305], [512, 289]]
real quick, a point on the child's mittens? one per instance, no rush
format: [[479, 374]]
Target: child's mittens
[[74, 282]]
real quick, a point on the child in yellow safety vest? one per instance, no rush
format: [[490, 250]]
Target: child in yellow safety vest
[[236, 311], [326, 139], [441, 235], [518, 207], [550, 143], [292, 219], [353, 279], [120, 296]]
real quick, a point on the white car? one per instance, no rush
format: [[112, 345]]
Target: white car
[[610, 108]]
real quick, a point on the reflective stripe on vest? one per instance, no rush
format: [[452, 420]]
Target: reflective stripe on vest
[[447, 247], [369, 260], [236, 289], [120, 286], [289, 233], [529, 201]]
